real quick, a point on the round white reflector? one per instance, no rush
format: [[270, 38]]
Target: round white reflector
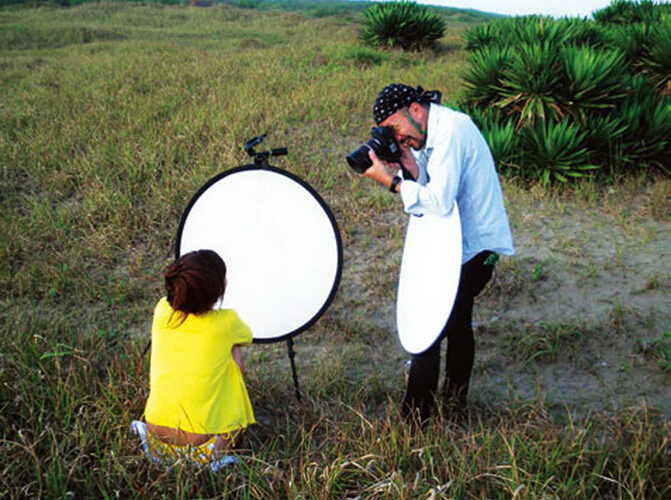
[[279, 240]]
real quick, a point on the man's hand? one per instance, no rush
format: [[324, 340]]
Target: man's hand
[[379, 170], [384, 172]]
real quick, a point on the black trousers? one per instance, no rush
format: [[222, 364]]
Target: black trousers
[[422, 386]]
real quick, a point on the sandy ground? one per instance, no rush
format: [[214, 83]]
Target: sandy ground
[[577, 316], [603, 283]]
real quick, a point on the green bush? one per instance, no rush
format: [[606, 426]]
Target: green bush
[[579, 32], [592, 79], [604, 131], [501, 135], [531, 82], [655, 64], [483, 77], [403, 25], [585, 97], [556, 150], [631, 39], [625, 12], [482, 36], [646, 140]]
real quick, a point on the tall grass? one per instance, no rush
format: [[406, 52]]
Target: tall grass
[[112, 116], [67, 408]]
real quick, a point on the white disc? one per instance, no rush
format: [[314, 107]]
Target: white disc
[[279, 240], [429, 279]]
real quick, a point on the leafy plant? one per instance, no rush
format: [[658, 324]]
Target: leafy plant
[[664, 346], [631, 39], [656, 63], [557, 150], [501, 135], [481, 36], [515, 31], [603, 130], [659, 350], [625, 12], [547, 341], [483, 77], [531, 84], [542, 72], [593, 79], [535, 29], [580, 32], [403, 24], [647, 138]]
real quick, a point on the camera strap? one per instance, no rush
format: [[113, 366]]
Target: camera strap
[[407, 176]]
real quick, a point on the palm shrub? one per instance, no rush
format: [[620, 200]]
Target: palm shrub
[[580, 33], [483, 79], [655, 64], [592, 79], [584, 97], [642, 31], [536, 29], [501, 135], [482, 35], [512, 31], [646, 140], [556, 150], [631, 39], [404, 25], [625, 12], [603, 133], [530, 84]]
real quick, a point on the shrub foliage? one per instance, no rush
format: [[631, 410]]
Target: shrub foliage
[[560, 99], [404, 25]]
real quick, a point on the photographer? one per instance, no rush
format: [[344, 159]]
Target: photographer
[[450, 161]]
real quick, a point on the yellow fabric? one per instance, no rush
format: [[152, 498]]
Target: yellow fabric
[[201, 455], [195, 385]]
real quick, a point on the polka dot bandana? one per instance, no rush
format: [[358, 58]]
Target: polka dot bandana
[[392, 98]]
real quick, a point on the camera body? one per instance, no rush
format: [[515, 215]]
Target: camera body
[[384, 144]]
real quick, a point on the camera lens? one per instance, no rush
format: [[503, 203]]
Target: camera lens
[[382, 142], [359, 160]]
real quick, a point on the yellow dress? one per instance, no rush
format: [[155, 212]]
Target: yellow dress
[[194, 383]]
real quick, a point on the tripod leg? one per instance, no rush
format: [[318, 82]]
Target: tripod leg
[[292, 355]]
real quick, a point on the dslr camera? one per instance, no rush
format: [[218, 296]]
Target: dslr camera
[[384, 144]]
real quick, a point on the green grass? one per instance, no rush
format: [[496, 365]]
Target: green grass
[[111, 117]]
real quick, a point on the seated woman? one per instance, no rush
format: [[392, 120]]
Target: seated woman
[[198, 403]]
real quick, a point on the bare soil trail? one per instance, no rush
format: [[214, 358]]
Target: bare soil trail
[[580, 316]]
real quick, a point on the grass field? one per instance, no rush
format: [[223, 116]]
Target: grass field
[[113, 115]]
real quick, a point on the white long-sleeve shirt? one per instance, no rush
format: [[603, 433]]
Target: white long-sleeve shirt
[[456, 164]]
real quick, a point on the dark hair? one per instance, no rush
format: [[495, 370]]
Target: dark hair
[[195, 282]]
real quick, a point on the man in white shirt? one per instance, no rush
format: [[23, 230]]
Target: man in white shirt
[[450, 161]]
